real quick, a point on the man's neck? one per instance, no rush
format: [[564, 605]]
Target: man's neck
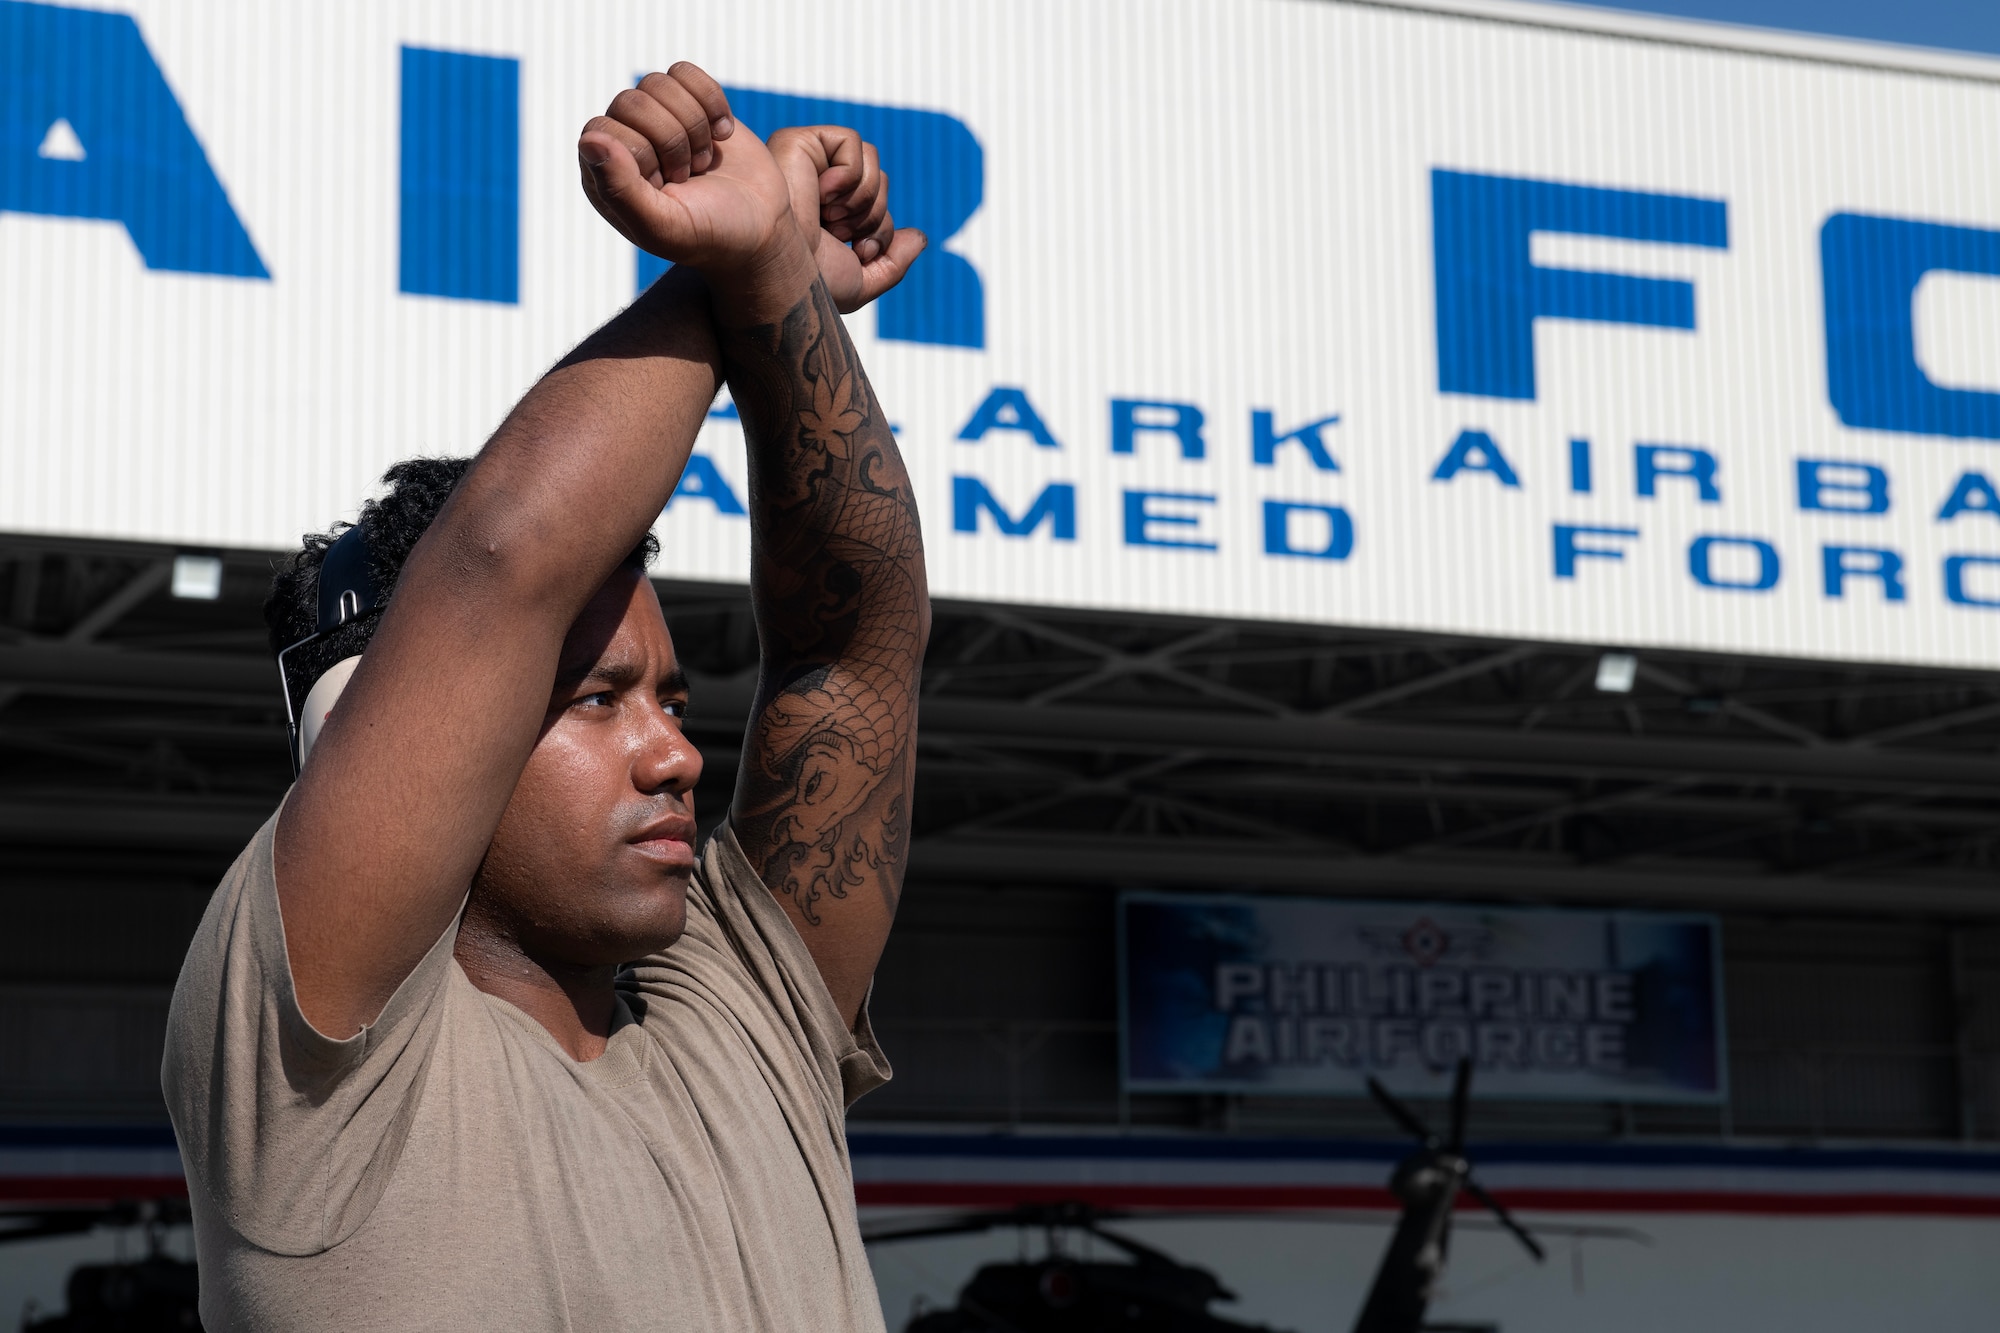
[[576, 1004]]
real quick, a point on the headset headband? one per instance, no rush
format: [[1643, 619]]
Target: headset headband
[[346, 593]]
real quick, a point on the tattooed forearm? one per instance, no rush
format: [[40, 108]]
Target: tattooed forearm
[[837, 580]]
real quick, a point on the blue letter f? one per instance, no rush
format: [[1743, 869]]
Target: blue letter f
[[1490, 293]]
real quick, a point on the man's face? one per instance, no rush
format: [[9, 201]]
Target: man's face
[[590, 863]]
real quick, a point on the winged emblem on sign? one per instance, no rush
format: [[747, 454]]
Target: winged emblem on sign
[[1426, 942]]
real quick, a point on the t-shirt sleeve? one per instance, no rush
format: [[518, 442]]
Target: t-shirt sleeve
[[290, 1134], [741, 964]]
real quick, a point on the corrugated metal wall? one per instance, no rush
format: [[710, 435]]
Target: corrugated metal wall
[[1385, 269], [1840, 1031]]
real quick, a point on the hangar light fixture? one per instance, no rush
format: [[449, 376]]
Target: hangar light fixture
[[1616, 672], [197, 577]]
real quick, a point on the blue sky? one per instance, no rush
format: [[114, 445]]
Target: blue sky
[[1965, 25]]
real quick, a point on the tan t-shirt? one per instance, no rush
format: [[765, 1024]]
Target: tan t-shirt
[[450, 1167]]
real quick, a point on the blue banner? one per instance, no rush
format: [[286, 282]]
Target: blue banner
[[1311, 996]]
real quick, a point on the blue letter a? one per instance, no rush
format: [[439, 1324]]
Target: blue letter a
[[1007, 409], [1475, 451], [1974, 494], [130, 156]]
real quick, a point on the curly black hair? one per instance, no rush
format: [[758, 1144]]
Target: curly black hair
[[417, 490]]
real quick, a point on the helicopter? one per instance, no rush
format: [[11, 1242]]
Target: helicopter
[[154, 1294], [1156, 1293], [1428, 1182], [1060, 1293]]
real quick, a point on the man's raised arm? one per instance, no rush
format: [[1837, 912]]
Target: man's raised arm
[[387, 824], [822, 804]]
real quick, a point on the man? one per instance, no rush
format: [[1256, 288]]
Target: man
[[417, 1079]]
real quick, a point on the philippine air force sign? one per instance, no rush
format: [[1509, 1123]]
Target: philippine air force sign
[[1539, 325], [1289, 995]]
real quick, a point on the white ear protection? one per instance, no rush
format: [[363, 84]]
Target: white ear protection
[[320, 701]]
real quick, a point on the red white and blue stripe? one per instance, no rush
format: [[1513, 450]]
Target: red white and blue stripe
[[1157, 1171], [938, 1169]]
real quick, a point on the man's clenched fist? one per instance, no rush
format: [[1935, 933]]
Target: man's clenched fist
[[840, 201], [671, 170]]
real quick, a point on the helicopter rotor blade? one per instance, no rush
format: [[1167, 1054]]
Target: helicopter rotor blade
[[957, 1226], [36, 1223], [39, 1225], [924, 1233], [1461, 1100], [1139, 1250], [1401, 1114], [1061, 1214], [1506, 1219]]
